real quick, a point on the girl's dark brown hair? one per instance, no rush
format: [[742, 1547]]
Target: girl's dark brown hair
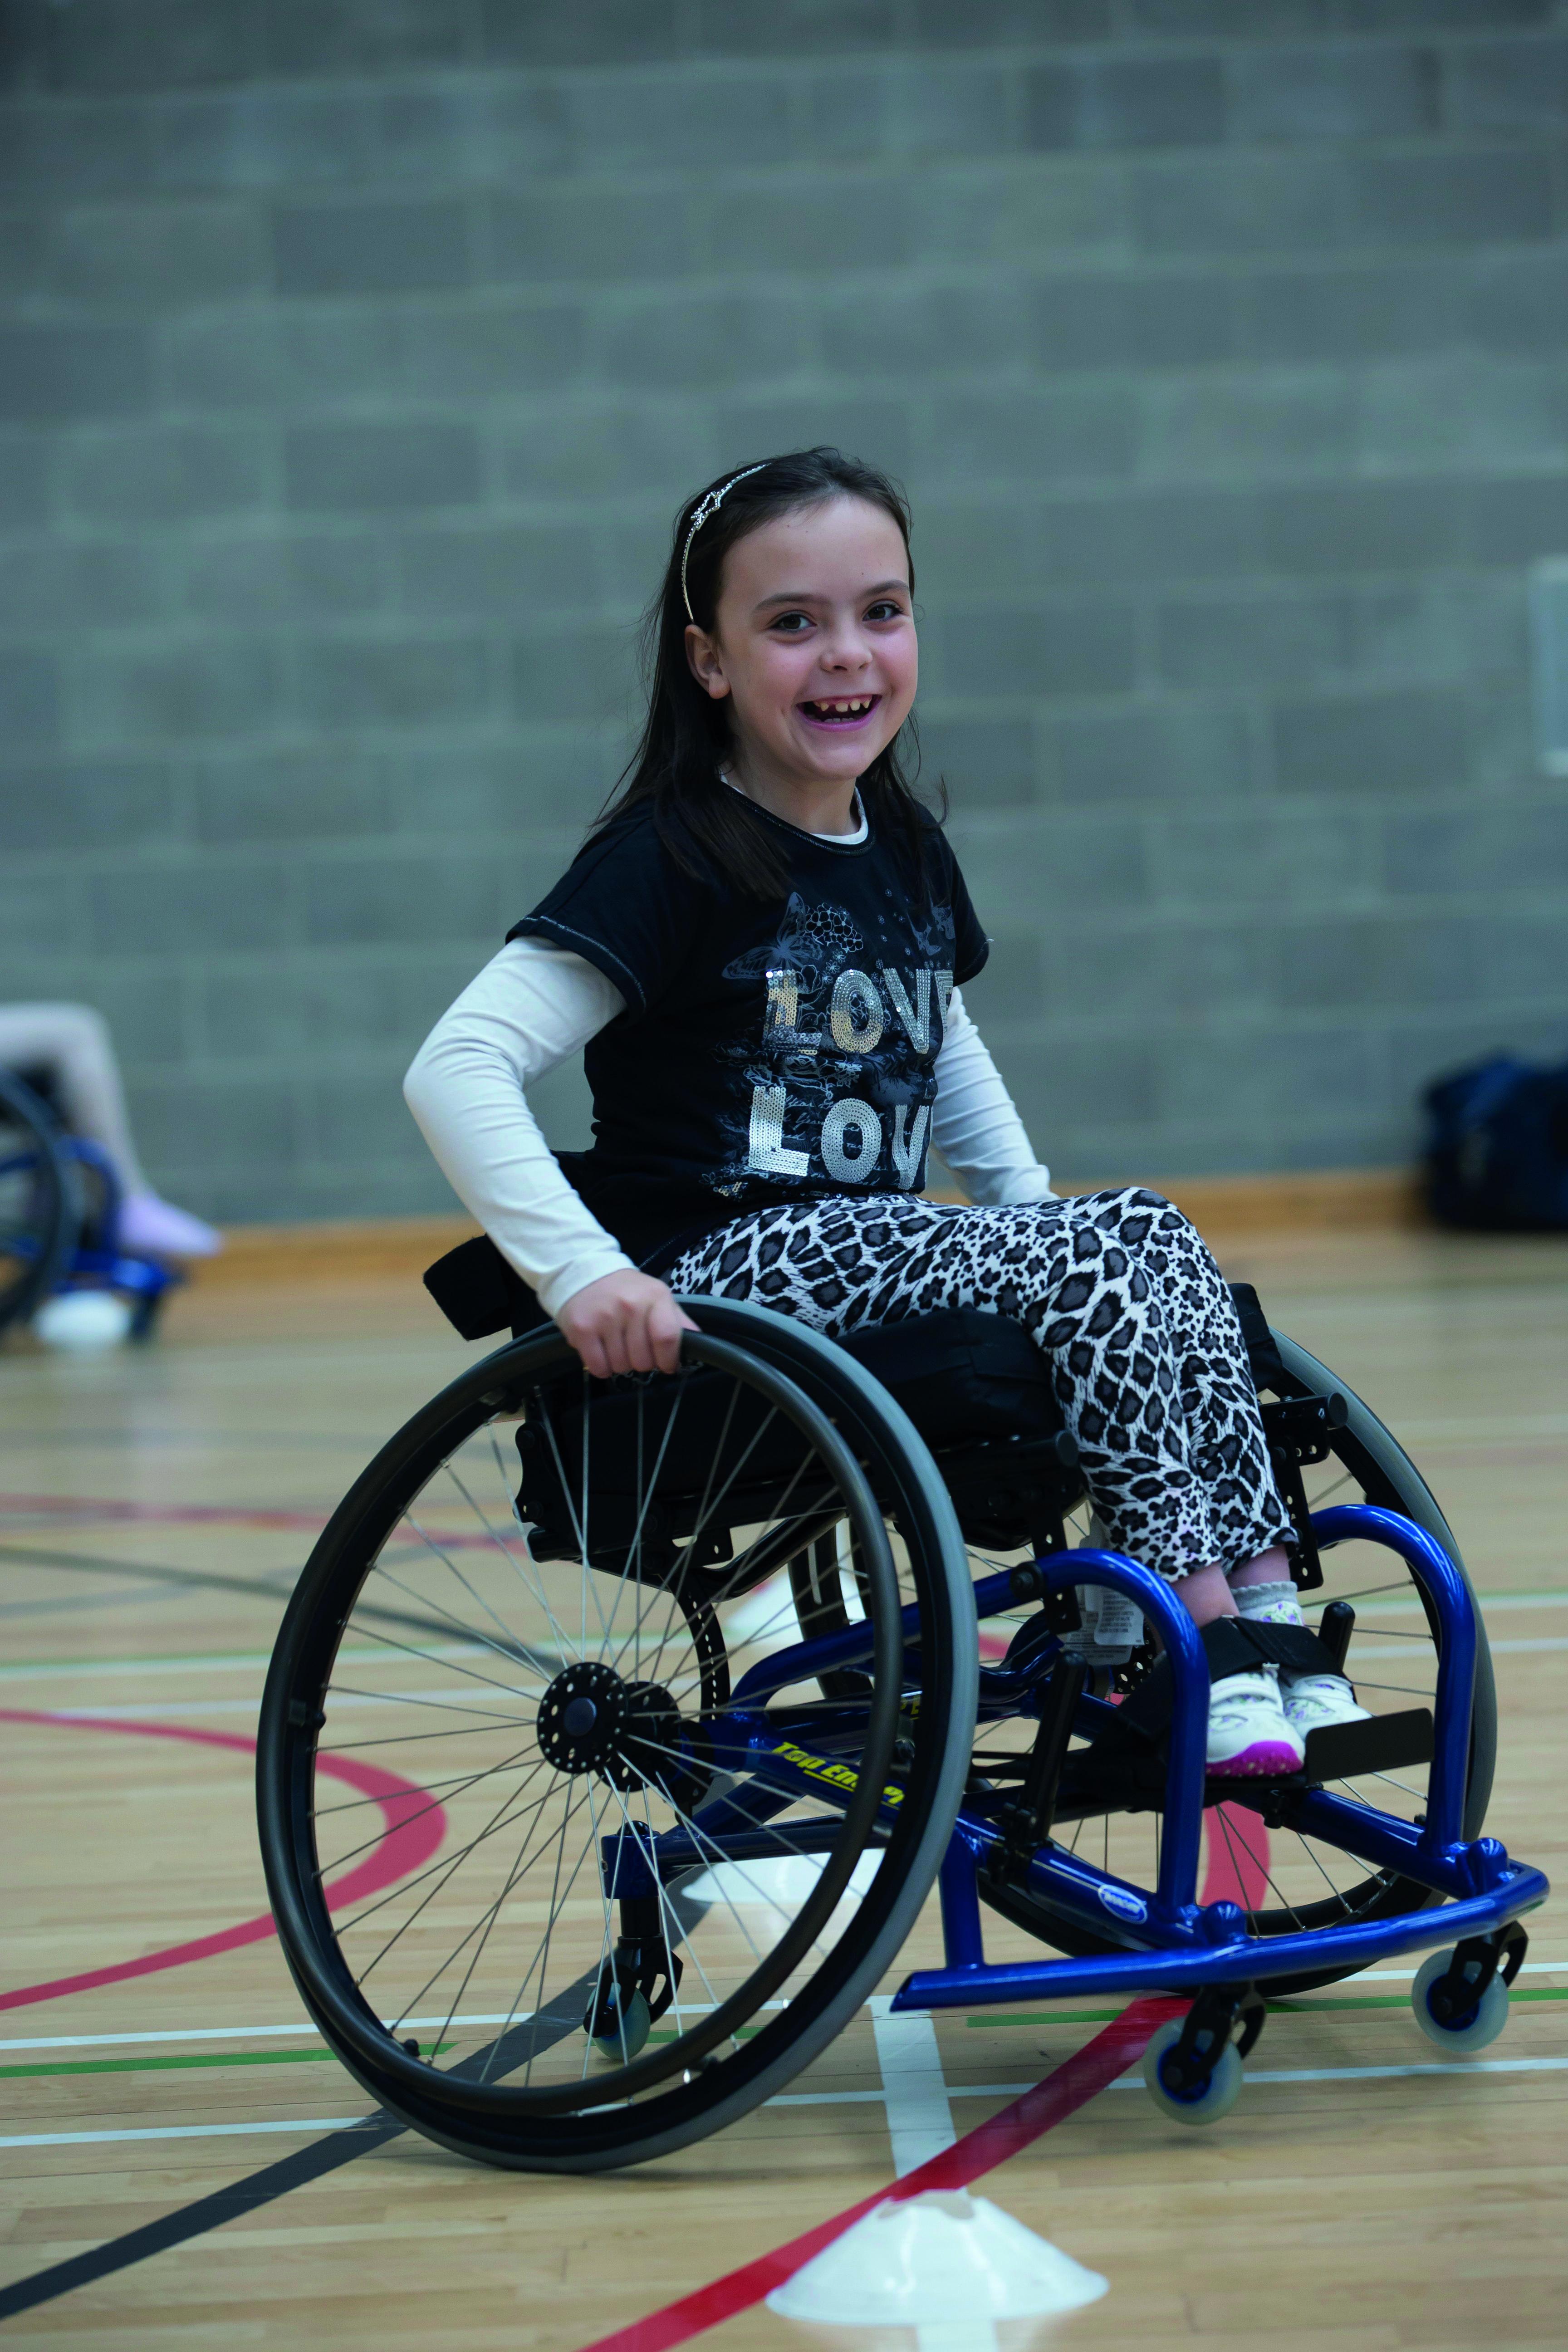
[[706, 829]]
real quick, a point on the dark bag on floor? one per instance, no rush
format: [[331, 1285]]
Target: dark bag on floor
[[1497, 1149]]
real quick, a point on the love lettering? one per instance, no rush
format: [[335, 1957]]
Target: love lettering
[[861, 1013]]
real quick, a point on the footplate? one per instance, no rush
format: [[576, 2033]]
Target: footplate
[[1384, 1743]]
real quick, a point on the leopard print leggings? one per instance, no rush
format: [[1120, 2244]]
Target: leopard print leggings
[[1136, 1323]]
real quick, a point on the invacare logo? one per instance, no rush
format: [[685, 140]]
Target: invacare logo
[[1125, 1905]]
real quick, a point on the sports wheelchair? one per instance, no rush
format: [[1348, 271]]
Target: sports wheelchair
[[617, 1732], [59, 1209]]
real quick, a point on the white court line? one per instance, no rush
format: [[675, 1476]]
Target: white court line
[[1488, 1602], [1388, 2074], [486, 1697], [187, 2131], [1403, 1976], [237, 1661], [256, 1660], [1129, 2082], [246, 2033], [259, 2032], [920, 2121]]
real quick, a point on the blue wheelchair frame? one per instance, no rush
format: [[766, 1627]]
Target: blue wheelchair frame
[[102, 1265], [1173, 1943]]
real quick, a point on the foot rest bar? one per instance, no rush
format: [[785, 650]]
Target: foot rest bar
[[1249, 1960]]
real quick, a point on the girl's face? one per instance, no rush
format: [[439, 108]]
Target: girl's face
[[814, 643]]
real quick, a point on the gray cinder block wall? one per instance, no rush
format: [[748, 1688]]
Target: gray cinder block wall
[[355, 353]]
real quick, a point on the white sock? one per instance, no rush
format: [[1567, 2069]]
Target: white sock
[[1275, 1604]]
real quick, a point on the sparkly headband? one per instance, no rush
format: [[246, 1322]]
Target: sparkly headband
[[707, 508]]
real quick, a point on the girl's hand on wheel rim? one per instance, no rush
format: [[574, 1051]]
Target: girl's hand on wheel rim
[[624, 1323]]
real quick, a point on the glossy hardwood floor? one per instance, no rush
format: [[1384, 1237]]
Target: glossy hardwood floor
[[153, 1510]]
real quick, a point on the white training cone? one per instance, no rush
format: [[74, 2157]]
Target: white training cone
[[941, 2262], [783, 1884], [764, 1620], [82, 1321]]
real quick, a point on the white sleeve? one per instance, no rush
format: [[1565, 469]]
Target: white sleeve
[[976, 1126], [531, 1009]]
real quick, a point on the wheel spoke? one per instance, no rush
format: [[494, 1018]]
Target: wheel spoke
[[1313, 1857]]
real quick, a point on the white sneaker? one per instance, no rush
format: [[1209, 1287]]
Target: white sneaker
[[1249, 1733], [1313, 1702]]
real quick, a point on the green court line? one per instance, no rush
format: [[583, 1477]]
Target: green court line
[[1402, 2000], [742, 2032], [1280, 2008], [165, 2065]]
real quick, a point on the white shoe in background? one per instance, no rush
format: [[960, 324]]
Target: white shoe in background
[[152, 1227]]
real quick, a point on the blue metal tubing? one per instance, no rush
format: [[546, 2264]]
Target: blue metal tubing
[[854, 1642], [627, 1867], [1241, 1960], [1178, 1879], [1445, 1587]]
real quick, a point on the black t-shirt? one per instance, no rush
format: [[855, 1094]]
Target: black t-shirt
[[770, 1051]]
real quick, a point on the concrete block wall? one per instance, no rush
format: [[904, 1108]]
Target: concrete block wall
[[355, 353]]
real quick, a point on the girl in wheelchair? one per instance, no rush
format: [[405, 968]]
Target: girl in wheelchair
[[761, 951]]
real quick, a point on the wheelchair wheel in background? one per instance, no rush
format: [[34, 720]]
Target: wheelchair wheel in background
[[557, 1711], [37, 1202], [1303, 1885]]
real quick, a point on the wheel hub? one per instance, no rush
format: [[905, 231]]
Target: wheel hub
[[580, 1717], [629, 1733]]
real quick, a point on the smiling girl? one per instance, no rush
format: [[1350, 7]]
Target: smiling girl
[[762, 947]]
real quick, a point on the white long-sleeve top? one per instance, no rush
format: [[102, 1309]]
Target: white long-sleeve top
[[533, 1007]]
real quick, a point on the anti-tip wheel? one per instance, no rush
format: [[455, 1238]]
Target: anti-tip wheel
[[1214, 2098], [1475, 2027]]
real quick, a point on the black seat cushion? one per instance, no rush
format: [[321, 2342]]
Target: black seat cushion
[[961, 1376]]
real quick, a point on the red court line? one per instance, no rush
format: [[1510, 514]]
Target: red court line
[[1014, 2128], [413, 1830], [1238, 1864], [88, 1508]]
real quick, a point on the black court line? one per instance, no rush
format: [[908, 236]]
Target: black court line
[[559, 2018], [276, 1588], [270, 1587]]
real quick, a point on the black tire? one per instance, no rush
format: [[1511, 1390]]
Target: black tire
[[729, 2057], [1367, 1463], [38, 1203]]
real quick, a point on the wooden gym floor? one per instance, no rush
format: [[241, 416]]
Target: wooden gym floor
[[153, 1510]]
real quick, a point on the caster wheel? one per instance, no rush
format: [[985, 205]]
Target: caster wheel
[[1475, 2027], [1210, 2100], [620, 2032]]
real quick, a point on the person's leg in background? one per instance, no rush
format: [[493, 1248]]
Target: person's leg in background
[[72, 1043]]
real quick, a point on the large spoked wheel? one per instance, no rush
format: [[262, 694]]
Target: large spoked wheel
[[38, 1208], [1296, 1884], [569, 1872]]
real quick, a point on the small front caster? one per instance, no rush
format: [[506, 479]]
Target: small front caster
[[618, 2019], [1191, 2093], [1444, 2010]]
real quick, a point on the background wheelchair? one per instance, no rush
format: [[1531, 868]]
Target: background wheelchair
[[59, 1207], [683, 1692]]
